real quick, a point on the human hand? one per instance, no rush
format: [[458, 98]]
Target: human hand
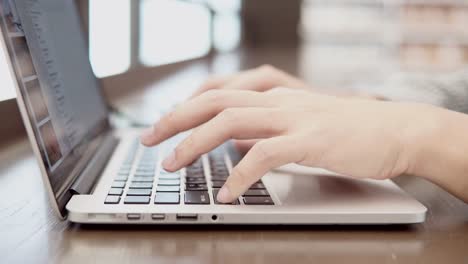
[[355, 137], [260, 79]]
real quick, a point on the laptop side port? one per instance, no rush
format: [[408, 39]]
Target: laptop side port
[[158, 217], [133, 216], [187, 217]]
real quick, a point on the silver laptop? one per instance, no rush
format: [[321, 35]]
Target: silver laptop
[[95, 173]]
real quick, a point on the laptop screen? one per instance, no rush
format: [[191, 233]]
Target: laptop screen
[[49, 58]]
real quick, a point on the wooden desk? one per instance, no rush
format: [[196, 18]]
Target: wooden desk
[[31, 233]]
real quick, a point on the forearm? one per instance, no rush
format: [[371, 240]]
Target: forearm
[[440, 150]]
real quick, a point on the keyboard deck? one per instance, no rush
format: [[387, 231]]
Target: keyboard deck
[[141, 180]]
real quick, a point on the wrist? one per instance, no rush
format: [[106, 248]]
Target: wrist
[[437, 145], [422, 140]]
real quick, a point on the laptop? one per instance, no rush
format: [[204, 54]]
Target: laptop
[[97, 173]]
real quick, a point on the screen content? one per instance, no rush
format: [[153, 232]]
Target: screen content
[[50, 60]]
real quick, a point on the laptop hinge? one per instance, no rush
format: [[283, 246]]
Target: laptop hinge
[[85, 181]]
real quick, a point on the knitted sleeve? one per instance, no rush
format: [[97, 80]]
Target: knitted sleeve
[[445, 90]]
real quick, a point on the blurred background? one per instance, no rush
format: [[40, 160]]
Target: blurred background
[[334, 42]]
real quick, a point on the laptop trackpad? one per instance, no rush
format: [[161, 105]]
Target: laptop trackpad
[[300, 186]]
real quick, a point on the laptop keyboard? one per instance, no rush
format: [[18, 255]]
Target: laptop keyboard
[[141, 180]]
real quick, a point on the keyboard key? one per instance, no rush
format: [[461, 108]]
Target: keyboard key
[[169, 176], [124, 173], [145, 170], [147, 164], [167, 198], [219, 178], [141, 185], [137, 200], [257, 186], [142, 179], [220, 175], [194, 169], [119, 179], [139, 192], [219, 168], [217, 184], [115, 191], [143, 174], [195, 187], [167, 188], [197, 162], [111, 199], [118, 184], [189, 174], [163, 171], [215, 194], [258, 200], [256, 193], [196, 180], [195, 175], [197, 197], [198, 168], [163, 182]]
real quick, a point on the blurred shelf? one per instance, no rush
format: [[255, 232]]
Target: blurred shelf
[[416, 35], [453, 3], [380, 3], [367, 3], [433, 39]]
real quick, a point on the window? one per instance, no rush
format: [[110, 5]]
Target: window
[[227, 24], [168, 31], [227, 28], [109, 36], [173, 31], [165, 31], [7, 90]]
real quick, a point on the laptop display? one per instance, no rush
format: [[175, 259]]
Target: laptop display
[[66, 110]]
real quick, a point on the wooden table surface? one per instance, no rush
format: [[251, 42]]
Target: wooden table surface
[[31, 233]]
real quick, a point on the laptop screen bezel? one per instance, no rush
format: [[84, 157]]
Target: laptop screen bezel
[[60, 197]]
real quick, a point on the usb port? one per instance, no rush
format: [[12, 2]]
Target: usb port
[[158, 216], [133, 216], [187, 217]]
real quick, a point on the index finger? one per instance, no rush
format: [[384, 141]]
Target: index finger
[[199, 110], [263, 157]]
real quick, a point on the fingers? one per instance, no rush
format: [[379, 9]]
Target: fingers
[[259, 79], [243, 146], [213, 83], [264, 156], [199, 110], [237, 123]]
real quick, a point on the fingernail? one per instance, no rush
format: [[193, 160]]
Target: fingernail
[[224, 195], [170, 161]]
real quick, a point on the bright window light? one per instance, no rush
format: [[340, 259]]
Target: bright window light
[[173, 31], [225, 5], [109, 36], [7, 90], [227, 31]]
